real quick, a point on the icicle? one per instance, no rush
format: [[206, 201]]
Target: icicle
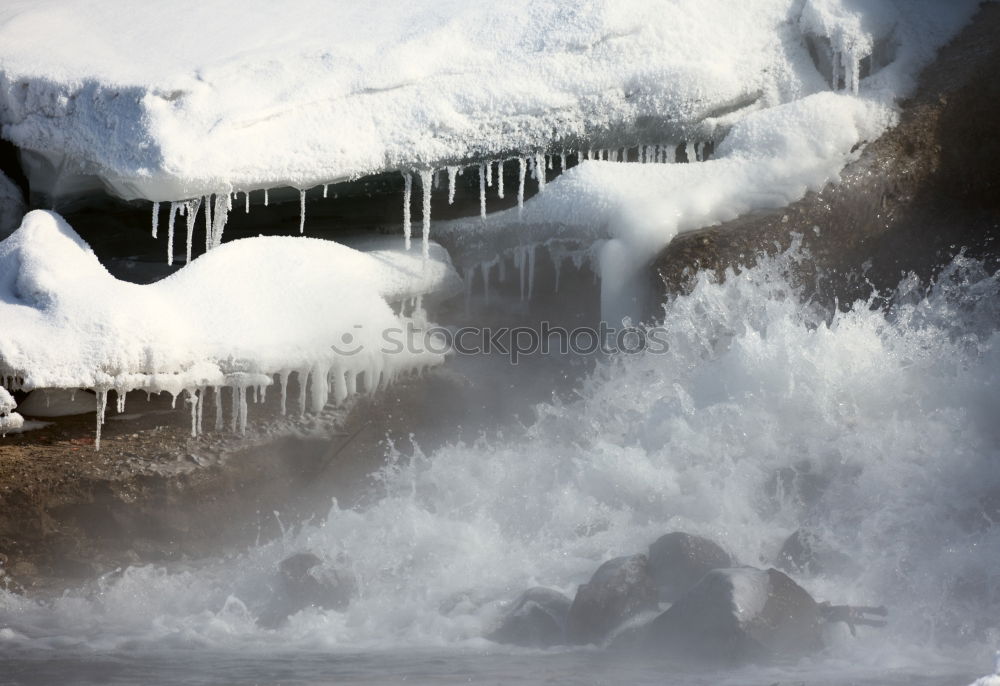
[[119, 400], [452, 175], [192, 400], [303, 382], [208, 223], [482, 190], [234, 413], [170, 232], [489, 173], [689, 151], [548, 162], [586, 155], [614, 155], [562, 161], [520, 188], [246, 202], [190, 214], [201, 407], [222, 205], [217, 395], [426, 179], [325, 185], [156, 217], [670, 153], [407, 192], [102, 403], [531, 270], [302, 211], [531, 168], [283, 386], [500, 179], [697, 151], [437, 179], [540, 166]]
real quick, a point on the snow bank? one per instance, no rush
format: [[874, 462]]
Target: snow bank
[[235, 317], [306, 92], [11, 206]]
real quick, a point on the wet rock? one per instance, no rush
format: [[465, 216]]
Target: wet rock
[[302, 581], [537, 619], [805, 552], [677, 561], [738, 615], [620, 589]]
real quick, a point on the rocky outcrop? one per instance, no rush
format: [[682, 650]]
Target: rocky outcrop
[[620, 589], [737, 615], [537, 619], [914, 198], [677, 561]]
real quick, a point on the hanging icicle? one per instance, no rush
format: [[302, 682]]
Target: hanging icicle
[[302, 211], [156, 217], [489, 174], [190, 215], [540, 166], [452, 175], [407, 192], [170, 232], [426, 181], [521, 170], [265, 197], [482, 190], [500, 179], [562, 161]]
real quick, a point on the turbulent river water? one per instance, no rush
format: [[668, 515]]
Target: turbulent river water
[[874, 426]]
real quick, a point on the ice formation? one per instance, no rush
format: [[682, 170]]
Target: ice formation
[[9, 420], [234, 318]]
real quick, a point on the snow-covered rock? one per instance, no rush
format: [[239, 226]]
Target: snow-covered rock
[[235, 317]]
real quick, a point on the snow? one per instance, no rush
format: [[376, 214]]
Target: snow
[[769, 158], [306, 93], [235, 317], [10, 421], [11, 206]]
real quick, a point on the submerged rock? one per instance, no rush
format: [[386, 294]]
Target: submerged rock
[[677, 561], [302, 581], [620, 589], [537, 619], [737, 615]]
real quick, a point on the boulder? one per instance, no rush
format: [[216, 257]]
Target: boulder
[[677, 561], [620, 589], [537, 619], [302, 581], [738, 615]]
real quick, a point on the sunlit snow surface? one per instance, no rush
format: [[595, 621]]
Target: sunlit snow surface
[[205, 97], [891, 417]]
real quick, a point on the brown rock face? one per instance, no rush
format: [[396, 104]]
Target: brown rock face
[[916, 196]]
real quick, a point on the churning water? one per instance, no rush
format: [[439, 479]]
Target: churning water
[[875, 427]]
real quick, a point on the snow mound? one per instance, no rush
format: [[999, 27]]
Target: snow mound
[[235, 317]]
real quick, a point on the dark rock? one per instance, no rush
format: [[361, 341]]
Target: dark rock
[[805, 552], [620, 589], [677, 561], [302, 581], [537, 619], [738, 615]]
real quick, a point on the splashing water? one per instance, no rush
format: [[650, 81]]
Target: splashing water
[[875, 427]]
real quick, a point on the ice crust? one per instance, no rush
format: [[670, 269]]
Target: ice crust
[[236, 317]]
